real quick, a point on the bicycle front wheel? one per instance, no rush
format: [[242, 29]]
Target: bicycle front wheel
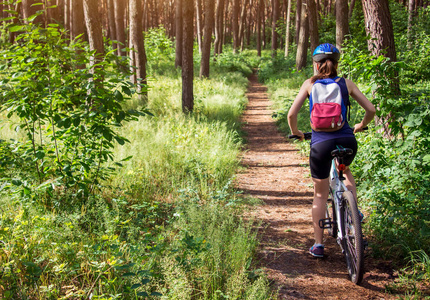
[[352, 241]]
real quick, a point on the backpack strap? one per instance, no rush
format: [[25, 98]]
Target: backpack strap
[[345, 95]]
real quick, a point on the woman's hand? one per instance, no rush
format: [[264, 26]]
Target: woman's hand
[[299, 133]]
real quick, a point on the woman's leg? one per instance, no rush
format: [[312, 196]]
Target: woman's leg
[[321, 191], [350, 182]]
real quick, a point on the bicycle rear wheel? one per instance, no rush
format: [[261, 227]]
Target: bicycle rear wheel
[[353, 240]]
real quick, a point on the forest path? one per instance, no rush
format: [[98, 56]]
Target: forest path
[[276, 173]]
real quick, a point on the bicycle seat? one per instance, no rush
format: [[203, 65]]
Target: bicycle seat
[[342, 152]]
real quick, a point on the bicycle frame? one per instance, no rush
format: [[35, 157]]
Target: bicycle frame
[[337, 188]]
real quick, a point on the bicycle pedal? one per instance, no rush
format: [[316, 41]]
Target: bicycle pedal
[[365, 244], [325, 223]]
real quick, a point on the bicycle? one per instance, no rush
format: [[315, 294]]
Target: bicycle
[[343, 220]]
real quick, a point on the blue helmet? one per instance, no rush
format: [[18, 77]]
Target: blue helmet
[[326, 51]]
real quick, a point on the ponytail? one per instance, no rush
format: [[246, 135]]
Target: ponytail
[[327, 69]]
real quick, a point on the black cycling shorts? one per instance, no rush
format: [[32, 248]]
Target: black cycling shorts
[[320, 157]]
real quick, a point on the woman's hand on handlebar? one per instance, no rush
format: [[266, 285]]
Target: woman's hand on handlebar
[[359, 128], [298, 134]]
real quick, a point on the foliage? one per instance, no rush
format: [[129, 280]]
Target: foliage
[[133, 237], [69, 111], [160, 52], [229, 62]]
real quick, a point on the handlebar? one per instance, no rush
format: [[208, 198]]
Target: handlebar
[[308, 135]]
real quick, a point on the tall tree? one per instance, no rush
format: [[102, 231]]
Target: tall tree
[[219, 27], [303, 45], [119, 8], [207, 38], [411, 11], [287, 29], [313, 24], [259, 17], [379, 26], [351, 8], [275, 17], [137, 46], [342, 27], [298, 19], [179, 33], [77, 19], [187, 56], [235, 22], [199, 22], [111, 21]]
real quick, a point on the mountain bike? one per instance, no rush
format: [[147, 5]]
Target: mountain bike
[[343, 220]]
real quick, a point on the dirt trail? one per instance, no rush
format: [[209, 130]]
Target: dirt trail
[[277, 173]]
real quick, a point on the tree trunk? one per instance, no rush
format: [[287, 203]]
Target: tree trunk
[[302, 46], [219, 27], [411, 11], [119, 8], [112, 26], [275, 17], [95, 38], [342, 27], [28, 10], [351, 8], [137, 46], [287, 29], [199, 22], [77, 20], [242, 24], [298, 19], [380, 28], [235, 21], [179, 33], [207, 38], [313, 24], [187, 56], [259, 17]]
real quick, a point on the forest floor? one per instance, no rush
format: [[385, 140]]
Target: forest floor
[[275, 172]]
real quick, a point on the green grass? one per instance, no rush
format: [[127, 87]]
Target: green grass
[[167, 223]]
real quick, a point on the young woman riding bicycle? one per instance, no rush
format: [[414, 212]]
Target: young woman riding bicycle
[[325, 58]]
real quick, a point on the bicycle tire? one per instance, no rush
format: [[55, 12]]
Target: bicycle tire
[[352, 242], [331, 213]]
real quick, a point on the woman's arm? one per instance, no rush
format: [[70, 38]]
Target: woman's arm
[[295, 108], [364, 103]]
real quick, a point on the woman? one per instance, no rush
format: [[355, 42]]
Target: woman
[[326, 57]]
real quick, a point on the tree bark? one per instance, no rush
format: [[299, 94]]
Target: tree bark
[[411, 16], [259, 17], [199, 22], [77, 20], [111, 21], [302, 46], [351, 8], [313, 24], [275, 17], [342, 27], [179, 33], [187, 56], [219, 27], [207, 38], [119, 8], [235, 21], [380, 28], [298, 19], [137, 46], [287, 29]]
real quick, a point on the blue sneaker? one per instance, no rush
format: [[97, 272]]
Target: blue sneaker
[[361, 216], [317, 250]]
